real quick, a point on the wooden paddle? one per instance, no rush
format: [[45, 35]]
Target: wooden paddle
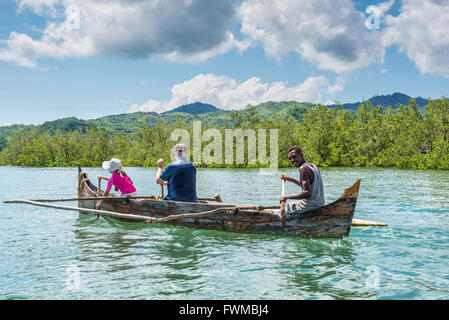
[[99, 187], [160, 164], [282, 209]]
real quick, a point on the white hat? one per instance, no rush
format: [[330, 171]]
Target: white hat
[[112, 165]]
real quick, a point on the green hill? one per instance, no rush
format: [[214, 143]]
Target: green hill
[[7, 131], [65, 125], [130, 122], [11, 129], [193, 108], [389, 100], [126, 122], [283, 109]]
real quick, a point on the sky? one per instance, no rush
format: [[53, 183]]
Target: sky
[[88, 59]]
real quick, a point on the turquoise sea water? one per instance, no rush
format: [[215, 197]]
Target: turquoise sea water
[[54, 254]]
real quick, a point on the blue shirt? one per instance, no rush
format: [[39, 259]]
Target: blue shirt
[[181, 177]]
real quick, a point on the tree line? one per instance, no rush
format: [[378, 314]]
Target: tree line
[[401, 137]]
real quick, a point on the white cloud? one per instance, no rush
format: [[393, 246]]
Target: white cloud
[[39, 6], [56, 42], [177, 29], [330, 34], [337, 87], [227, 93], [149, 106], [227, 45], [421, 32]]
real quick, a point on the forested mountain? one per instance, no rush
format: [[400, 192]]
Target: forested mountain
[[389, 100], [9, 130], [194, 108], [65, 125], [131, 122]]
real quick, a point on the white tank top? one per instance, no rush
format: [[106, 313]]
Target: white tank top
[[317, 188]]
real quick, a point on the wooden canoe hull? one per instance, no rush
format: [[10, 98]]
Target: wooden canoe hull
[[330, 221]]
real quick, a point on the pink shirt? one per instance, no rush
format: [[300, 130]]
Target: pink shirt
[[122, 183]]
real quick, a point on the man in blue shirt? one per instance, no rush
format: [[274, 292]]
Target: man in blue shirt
[[180, 176]]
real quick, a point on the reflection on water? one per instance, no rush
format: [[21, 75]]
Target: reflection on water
[[182, 253], [50, 254], [314, 267]]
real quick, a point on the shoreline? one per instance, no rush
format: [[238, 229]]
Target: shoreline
[[234, 167]]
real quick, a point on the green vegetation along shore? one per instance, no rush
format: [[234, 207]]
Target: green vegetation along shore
[[402, 137]]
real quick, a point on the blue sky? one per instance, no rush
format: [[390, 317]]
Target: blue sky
[[228, 53]]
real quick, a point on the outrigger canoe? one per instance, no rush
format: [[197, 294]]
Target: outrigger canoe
[[332, 220]]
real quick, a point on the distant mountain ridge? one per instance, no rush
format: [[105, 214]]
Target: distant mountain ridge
[[194, 108], [389, 100]]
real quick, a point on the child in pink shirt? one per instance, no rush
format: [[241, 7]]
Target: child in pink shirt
[[119, 179], [122, 183]]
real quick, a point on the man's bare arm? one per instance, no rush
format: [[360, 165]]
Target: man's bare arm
[[290, 179], [160, 165], [306, 177], [159, 180]]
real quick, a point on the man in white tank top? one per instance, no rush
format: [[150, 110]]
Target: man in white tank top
[[312, 194]]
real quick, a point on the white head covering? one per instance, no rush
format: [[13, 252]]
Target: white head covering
[[112, 165]]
